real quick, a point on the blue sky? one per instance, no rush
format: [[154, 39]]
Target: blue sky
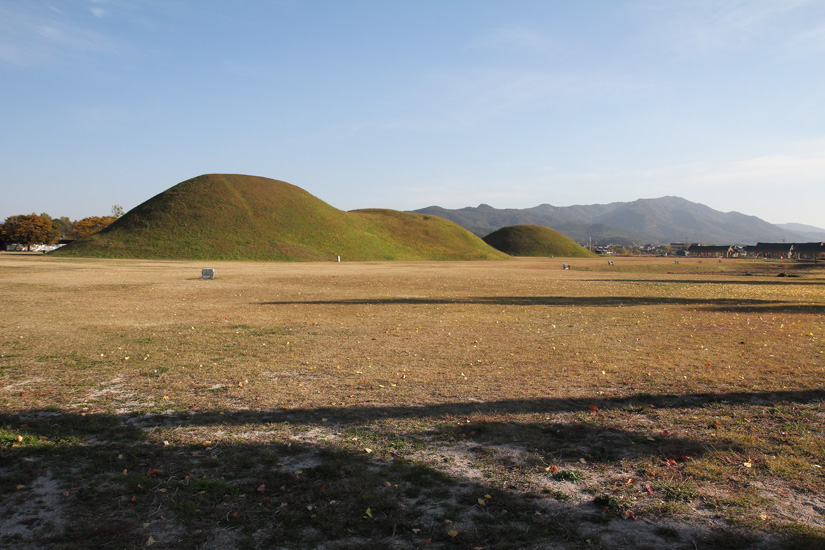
[[409, 104]]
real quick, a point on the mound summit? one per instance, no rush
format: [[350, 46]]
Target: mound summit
[[535, 240], [239, 217]]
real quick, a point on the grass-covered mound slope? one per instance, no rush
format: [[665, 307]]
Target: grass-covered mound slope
[[535, 240], [237, 217]]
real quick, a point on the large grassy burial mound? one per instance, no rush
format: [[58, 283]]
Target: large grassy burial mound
[[535, 240], [237, 217]]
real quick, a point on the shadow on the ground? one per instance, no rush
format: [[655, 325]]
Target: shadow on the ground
[[776, 281], [345, 478], [719, 304]]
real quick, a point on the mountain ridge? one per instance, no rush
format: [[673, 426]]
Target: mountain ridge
[[657, 221]]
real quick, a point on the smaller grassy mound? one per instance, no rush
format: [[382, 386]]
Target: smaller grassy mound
[[535, 240], [423, 237]]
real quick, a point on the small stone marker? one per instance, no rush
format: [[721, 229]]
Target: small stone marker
[[207, 273]]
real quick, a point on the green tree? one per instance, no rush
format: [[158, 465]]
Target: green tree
[[29, 229], [65, 225]]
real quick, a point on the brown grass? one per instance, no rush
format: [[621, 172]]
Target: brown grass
[[440, 396]]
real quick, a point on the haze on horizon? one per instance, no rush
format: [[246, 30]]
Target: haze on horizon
[[405, 105]]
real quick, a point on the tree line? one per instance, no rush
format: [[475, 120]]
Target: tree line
[[33, 229]]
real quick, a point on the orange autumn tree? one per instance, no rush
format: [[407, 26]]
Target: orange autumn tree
[[30, 229], [93, 224]]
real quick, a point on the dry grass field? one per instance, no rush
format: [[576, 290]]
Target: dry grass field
[[508, 404]]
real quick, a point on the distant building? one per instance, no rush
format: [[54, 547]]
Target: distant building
[[712, 251], [779, 251], [809, 251]]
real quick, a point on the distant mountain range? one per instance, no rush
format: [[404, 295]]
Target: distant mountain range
[[809, 231], [655, 221]]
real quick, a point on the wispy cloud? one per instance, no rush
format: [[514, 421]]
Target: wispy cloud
[[33, 35], [466, 99], [699, 28], [799, 167], [811, 40]]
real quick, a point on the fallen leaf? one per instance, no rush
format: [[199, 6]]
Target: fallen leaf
[[593, 408], [453, 533], [261, 488], [368, 513], [151, 541], [152, 472], [747, 464]]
